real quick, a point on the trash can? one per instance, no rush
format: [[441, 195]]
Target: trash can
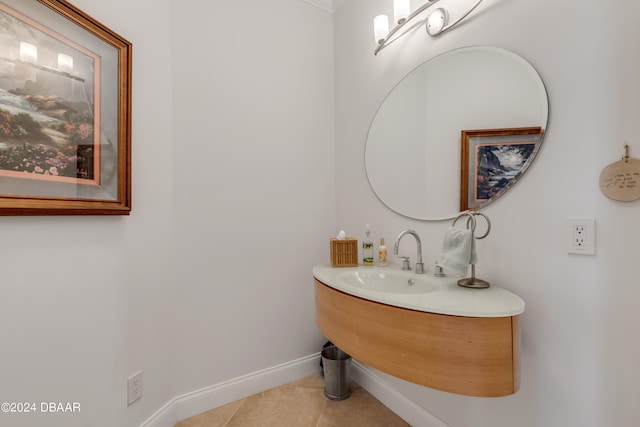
[[336, 365]]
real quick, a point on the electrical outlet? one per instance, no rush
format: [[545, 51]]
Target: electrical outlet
[[134, 387], [581, 236]]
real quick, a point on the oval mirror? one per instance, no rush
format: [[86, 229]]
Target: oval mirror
[[456, 133]]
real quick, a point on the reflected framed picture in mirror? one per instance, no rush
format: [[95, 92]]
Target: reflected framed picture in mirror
[[65, 112], [492, 160]]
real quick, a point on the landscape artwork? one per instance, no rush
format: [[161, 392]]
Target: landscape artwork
[[498, 165], [49, 104]]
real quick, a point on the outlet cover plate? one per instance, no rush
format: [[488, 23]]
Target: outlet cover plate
[[581, 236], [134, 387]]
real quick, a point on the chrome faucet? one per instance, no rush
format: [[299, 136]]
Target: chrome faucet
[[405, 264]]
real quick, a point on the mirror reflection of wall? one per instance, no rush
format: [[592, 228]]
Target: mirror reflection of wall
[[412, 154]]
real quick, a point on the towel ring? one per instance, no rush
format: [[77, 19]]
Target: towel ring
[[473, 281], [471, 222], [488, 225]]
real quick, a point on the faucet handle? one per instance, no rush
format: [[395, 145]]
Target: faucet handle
[[405, 262]]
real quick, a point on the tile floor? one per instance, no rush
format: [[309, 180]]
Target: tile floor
[[300, 403]]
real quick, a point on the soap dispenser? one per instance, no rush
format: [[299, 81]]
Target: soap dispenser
[[367, 249]]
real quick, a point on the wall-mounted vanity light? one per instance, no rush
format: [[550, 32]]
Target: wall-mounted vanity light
[[436, 22]]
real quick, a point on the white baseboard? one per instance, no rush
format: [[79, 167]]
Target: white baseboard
[[197, 402], [208, 398], [399, 403], [167, 416]]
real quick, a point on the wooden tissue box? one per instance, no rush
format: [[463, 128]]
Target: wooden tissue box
[[344, 253]]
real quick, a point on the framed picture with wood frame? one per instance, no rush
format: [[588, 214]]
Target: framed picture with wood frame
[[492, 161], [65, 112]]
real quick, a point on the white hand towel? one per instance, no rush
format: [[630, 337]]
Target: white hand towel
[[458, 250]]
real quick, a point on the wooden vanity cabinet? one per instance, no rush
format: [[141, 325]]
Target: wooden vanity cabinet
[[473, 356]]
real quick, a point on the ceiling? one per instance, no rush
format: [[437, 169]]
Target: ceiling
[[329, 5]]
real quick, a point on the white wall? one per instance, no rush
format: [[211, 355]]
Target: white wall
[[85, 299], [578, 347], [254, 183], [233, 184], [209, 278]]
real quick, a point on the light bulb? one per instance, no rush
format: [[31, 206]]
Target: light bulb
[[401, 9], [65, 63], [28, 53], [380, 28]]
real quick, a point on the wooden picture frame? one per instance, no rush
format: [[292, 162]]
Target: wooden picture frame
[[492, 161], [65, 112]]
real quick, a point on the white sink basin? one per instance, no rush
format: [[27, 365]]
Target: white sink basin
[[390, 281], [441, 295]]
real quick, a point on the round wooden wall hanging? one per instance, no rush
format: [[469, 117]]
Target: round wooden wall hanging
[[621, 180]]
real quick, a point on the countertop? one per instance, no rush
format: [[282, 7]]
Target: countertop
[[448, 298]]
